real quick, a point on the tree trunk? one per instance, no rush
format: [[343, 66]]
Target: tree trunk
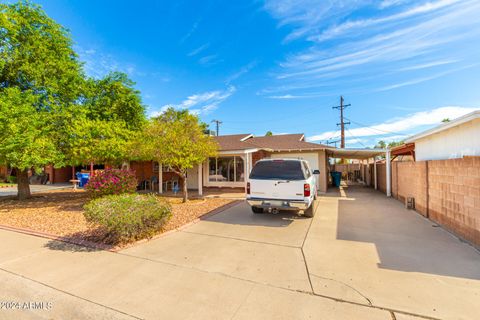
[[23, 185], [185, 190]]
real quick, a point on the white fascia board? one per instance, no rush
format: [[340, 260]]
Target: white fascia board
[[247, 137], [238, 151]]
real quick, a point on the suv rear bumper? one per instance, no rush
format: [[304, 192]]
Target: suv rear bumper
[[279, 204]]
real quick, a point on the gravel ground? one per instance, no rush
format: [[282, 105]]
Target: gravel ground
[[60, 213]]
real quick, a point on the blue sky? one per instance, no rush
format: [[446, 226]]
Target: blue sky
[[281, 65]]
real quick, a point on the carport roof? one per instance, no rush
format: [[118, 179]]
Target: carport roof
[[353, 153]]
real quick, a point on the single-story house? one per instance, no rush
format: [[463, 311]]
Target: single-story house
[[453, 139], [239, 152]]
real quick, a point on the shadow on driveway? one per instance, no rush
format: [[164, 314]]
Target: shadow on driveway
[[244, 216], [404, 240]]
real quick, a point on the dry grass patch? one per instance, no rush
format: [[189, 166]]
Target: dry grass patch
[[60, 213]]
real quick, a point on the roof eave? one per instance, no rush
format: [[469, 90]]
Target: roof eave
[[448, 125]]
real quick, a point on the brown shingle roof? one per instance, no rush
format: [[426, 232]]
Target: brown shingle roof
[[284, 142], [233, 142]]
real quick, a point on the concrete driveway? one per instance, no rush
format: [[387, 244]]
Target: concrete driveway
[[363, 256]]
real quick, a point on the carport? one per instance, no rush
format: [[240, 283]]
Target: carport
[[365, 156]]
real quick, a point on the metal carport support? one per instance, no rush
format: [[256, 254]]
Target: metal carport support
[[365, 154]]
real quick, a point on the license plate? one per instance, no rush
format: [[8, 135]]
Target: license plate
[[276, 203]]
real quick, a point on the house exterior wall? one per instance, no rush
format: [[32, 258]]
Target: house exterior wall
[[259, 155], [3, 172], [455, 142], [445, 191], [145, 170], [59, 175]]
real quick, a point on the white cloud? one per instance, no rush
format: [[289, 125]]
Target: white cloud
[[401, 126], [98, 64], [190, 32], [345, 27], [374, 47], [285, 96], [198, 50], [391, 3], [243, 70], [209, 59], [200, 103]]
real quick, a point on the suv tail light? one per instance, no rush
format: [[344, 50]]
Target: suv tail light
[[306, 190], [248, 187]]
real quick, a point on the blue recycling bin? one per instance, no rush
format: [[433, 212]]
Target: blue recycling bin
[[336, 178], [83, 179]]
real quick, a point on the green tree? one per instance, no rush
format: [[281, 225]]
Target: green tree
[[446, 120], [176, 139], [395, 143], [268, 134], [40, 78], [104, 124], [114, 98], [50, 114], [381, 145]]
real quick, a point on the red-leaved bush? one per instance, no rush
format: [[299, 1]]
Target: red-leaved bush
[[111, 181]]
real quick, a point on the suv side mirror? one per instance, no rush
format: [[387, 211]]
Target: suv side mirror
[[316, 171]]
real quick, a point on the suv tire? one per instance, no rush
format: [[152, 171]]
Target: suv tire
[[257, 210], [310, 212]]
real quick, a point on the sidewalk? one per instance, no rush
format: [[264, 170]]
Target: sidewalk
[[98, 284]]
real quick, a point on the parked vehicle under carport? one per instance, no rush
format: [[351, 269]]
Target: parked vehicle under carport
[[282, 184]]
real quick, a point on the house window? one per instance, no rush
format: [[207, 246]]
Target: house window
[[226, 169]]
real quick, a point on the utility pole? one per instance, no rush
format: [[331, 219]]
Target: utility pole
[[218, 123], [333, 142], [342, 122]]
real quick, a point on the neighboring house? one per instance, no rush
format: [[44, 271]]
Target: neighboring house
[[454, 139], [238, 153]]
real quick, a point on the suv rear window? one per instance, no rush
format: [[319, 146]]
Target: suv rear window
[[277, 170]]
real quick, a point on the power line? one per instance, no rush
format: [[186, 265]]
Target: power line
[[375, 129], [358, 140], [333, 142]]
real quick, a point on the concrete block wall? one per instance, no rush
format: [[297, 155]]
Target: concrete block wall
[[381, 177], [454, 196], [409, 179], [445, 191]]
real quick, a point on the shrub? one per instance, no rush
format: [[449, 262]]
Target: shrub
[[111, 181], [128, 217]]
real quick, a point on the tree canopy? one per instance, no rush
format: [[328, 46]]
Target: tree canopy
[[176, 139], [50, 112], [383, 145]]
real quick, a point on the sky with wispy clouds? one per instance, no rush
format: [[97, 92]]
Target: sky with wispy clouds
[[281, 65]]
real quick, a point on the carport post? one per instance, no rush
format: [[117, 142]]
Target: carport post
[[375, 171], [160, 178], [200, 182], [388, 169]]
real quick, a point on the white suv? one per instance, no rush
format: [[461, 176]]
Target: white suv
[[282, 184]]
